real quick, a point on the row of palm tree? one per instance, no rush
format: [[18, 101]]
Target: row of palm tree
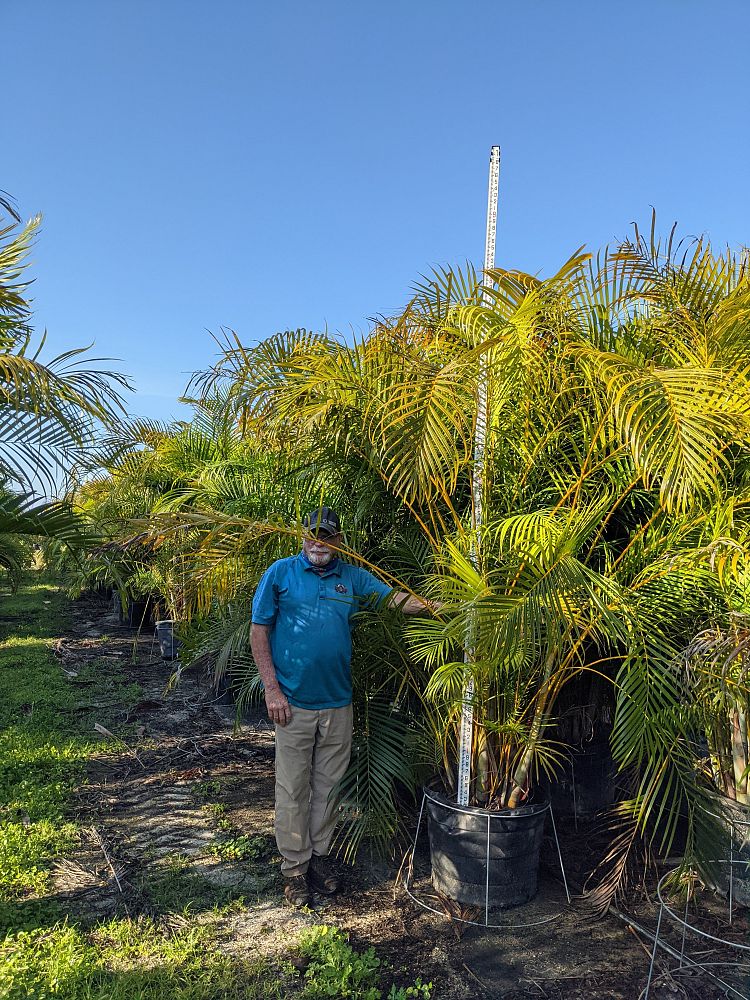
[[611, 580]]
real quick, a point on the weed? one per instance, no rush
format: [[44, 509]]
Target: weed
[[216, 809], [242, 848], [26, 914], [336, 970], [419, 991], [206, 789]]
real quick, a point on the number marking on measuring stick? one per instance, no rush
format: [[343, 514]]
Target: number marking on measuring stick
[[464, 754]]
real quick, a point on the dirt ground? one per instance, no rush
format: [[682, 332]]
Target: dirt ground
[[179, 818]]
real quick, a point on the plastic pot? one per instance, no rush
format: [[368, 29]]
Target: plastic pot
[[139, 612], [485, 857], [169, 644], [586, 783], [735, 819]]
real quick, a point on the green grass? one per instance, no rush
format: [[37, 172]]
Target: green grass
[[174, 887], [44, 742], [189, 893], [128, 960]]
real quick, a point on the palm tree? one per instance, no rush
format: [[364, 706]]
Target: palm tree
[[618, 422], [615, 499], [49, 410]]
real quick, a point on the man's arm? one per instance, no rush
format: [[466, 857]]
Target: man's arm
[[370, 586], [411, 605], [276, 703]]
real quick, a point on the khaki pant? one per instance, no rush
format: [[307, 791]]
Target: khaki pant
[[312, 754]]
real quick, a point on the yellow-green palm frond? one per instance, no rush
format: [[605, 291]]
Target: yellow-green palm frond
[[438, 294], [677, 422], [420, 427]]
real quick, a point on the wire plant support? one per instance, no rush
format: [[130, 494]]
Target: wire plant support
[[739, 837], [736, 990], [408, 882]]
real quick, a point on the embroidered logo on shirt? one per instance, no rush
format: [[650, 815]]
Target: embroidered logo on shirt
[[340, 588]]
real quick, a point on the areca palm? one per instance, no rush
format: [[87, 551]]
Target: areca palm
[[718, 661], [618, 402], [615, 491]]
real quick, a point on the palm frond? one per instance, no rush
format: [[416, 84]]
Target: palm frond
[[381, 772]]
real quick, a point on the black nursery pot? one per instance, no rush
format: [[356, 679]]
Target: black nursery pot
[[169, 644], [586, 784], [462, 838], [139, 612]]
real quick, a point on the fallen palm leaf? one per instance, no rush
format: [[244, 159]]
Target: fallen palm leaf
[[99, 841], [116, 739]]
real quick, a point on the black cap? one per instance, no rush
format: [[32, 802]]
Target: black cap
[[322, 522]]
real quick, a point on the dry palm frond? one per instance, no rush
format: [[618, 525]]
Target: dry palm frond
[[116, 868], [72, 876]]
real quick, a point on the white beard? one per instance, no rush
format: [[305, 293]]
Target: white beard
[[320, 558]]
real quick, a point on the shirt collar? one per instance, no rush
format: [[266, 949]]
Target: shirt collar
[[332, 569]]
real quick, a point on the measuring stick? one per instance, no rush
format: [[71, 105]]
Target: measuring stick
[[477, 481]]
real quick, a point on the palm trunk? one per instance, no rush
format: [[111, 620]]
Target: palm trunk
[[520, 784], [487, 757], [721, 759], [482, 781]]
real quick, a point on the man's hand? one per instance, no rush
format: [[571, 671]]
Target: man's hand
[[279, 710], [412, 605], [276, 703]]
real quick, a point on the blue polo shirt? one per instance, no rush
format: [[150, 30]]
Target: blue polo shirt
[[310, 616]]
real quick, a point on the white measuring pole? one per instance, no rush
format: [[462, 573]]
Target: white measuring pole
[[477, 478]]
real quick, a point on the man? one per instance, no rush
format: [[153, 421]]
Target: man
[[301, 642]]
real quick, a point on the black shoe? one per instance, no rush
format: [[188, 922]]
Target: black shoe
[[296, 890], [322, 877]]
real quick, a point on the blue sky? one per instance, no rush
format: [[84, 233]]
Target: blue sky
[[263, 168]]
